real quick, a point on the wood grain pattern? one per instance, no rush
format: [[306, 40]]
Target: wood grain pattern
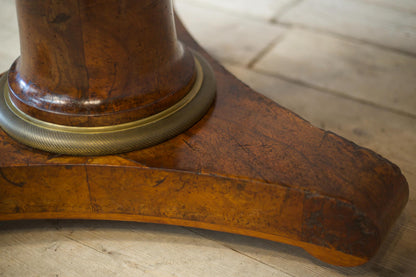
[[95, 63], [249, 167]]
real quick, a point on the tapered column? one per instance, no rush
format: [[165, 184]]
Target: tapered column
[[94, 63]]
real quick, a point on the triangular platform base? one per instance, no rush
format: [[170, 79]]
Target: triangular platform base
[[248, 167]]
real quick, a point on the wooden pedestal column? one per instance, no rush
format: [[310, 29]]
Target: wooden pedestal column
[[95, 63], [248, 166]]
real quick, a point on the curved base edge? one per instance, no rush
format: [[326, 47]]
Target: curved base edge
[[219, 203]]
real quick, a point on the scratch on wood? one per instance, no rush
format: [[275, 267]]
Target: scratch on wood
[[253, 158], [189, 145], [61, 18], [92, 205], [326, 133], [19, 184], [114, 80], [181, 188], [159, 182]]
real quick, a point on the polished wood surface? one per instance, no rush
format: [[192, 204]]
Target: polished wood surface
[[249, 167], [95, 63]]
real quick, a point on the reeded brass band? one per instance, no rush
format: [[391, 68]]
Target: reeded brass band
[[110, 139]]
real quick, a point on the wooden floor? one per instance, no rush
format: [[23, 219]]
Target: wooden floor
[[348, 66]]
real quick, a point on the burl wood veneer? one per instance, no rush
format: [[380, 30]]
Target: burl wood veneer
[[249, 166]]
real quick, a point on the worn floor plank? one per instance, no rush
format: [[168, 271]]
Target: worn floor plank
[[162, 250], [9, 40], [205, 25], [91, 248], [41, 250], [357, 19], [261, 9], [348, 68], [401, 5]]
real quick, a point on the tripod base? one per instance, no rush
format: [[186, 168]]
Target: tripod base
[[248, 167]]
